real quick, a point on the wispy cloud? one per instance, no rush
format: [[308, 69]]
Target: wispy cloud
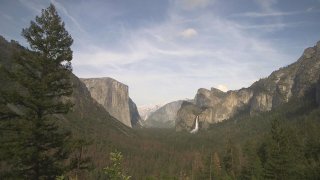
[[65, 11], [34, 6], [268, 14], [156, 58], [168, 54], [270, 26]]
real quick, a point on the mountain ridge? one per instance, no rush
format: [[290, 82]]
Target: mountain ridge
[[215, 106]]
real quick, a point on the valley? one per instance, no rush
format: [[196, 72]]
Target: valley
[[59, 122], [175, 150]]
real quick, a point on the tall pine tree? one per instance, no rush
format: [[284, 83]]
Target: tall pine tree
[[279, 163], [33, 146]]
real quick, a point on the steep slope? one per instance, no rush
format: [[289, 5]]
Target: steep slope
[[264, 95], [134, 114], [87, 115], [114, 97], [164, 117]]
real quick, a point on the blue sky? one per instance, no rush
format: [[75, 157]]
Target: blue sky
[[165, 50]]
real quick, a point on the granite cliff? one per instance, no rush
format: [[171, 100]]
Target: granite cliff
[[114, 97], [266, 94], [88, 116]]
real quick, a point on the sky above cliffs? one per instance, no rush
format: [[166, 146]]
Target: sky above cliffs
[[165, 50]]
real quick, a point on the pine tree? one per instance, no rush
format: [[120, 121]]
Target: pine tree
[[252, 168], [79, 161], [231, 160], [38, 85], [279, 164], [215, 166]]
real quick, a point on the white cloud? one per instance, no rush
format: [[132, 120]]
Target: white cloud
[[189, 33], [222, 87]]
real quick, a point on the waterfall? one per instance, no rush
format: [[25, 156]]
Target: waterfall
[[196, 127]]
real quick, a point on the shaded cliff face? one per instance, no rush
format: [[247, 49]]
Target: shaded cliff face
[[134, 114], [164, 117], [294, 80], [318, 92], [112, 95]]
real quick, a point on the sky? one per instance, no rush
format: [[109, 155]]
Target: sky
[[165, 50]]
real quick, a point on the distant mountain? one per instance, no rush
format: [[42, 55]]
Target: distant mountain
[[293, 81], [146, 110], [114, 97], [165, 116]]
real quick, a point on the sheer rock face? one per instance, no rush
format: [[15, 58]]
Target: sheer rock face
[[88, 116], [165, 116], [134, 114], [113, 96], [318, 93], [294, 80]]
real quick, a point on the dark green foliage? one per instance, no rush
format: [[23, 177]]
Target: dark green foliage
[[252, 168], [34, 92], [231, 160], [48, 37], [278, 162]]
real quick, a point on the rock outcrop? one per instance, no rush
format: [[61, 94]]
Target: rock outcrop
[[113, 96], [214, 105], [164, 117]]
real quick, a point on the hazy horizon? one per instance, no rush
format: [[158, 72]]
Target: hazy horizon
[[166, 50]]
